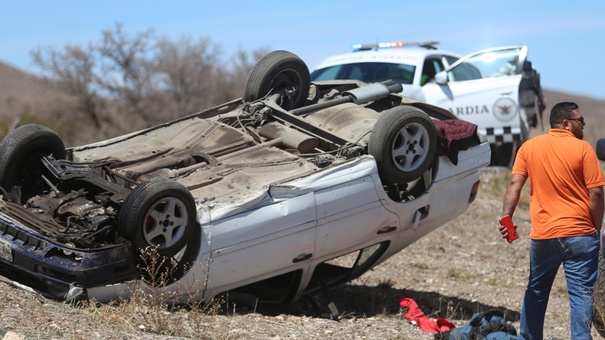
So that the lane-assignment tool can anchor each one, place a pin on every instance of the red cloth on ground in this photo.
(416, 317)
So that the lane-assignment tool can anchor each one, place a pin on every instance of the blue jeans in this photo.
(580, 258)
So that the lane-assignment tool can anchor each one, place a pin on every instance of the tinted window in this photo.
(464, 71)
(499, 63)
(449, 60)
(431, 66)
(367, 72)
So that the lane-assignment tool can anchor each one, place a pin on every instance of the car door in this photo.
(263, 242)
(483, 88)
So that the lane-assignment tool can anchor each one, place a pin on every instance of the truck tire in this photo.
(504, 154)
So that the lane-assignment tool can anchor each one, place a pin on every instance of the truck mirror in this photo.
(441, 78)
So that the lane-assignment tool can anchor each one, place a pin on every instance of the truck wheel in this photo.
(279, 72)
(504, 154)
(404, 144)
(20, 160)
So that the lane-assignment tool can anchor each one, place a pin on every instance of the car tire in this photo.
(598, 297)
(159, 213)
(404, 144)
(279, 72)
(21, 152)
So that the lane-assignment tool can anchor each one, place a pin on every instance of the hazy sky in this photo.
(566, 39)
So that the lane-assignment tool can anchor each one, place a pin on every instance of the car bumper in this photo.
(26, 257)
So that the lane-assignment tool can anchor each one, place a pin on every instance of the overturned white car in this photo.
(264, 195)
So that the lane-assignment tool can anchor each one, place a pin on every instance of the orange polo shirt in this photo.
(560, 168)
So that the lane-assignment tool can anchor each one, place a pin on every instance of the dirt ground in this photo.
(458, 270)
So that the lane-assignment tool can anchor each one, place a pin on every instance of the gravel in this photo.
(461, 269)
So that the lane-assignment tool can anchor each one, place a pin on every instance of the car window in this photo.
(464, 71)
(367, 72)
(449, 60)
(489, 64)
(345, 267)
(431, 66)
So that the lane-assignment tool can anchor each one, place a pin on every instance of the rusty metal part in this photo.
(291, 138)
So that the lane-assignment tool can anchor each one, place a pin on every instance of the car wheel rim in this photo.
(410, 147)
(165, 222)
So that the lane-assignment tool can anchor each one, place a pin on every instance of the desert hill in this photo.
(23, 94)
(593, 110)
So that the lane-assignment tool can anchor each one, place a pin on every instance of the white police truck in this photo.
(482, 87)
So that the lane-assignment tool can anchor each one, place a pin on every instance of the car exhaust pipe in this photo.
(290, 138)
(373, 91)
(358, 96)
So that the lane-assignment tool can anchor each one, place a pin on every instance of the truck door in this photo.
(483, 88)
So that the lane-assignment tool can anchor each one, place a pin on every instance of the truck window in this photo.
(490, 64)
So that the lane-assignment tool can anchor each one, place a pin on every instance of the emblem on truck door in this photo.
(505, 109)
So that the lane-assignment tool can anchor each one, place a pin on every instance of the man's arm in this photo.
(511, 199)
(513, 193)
(597, 206)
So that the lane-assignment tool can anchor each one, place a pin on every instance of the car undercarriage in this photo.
(82, 216)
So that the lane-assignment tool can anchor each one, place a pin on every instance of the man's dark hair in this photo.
(561, 111)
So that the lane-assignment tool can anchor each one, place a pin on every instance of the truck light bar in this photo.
(375, 46)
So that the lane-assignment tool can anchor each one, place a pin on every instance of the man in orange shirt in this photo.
(566, 207)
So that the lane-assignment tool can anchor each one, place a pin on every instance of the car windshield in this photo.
(367, 72)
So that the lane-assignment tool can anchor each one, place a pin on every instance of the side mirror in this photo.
(601, 149)
(441, 78)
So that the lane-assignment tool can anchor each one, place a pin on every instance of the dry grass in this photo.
(460, 269)
(154, 311)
